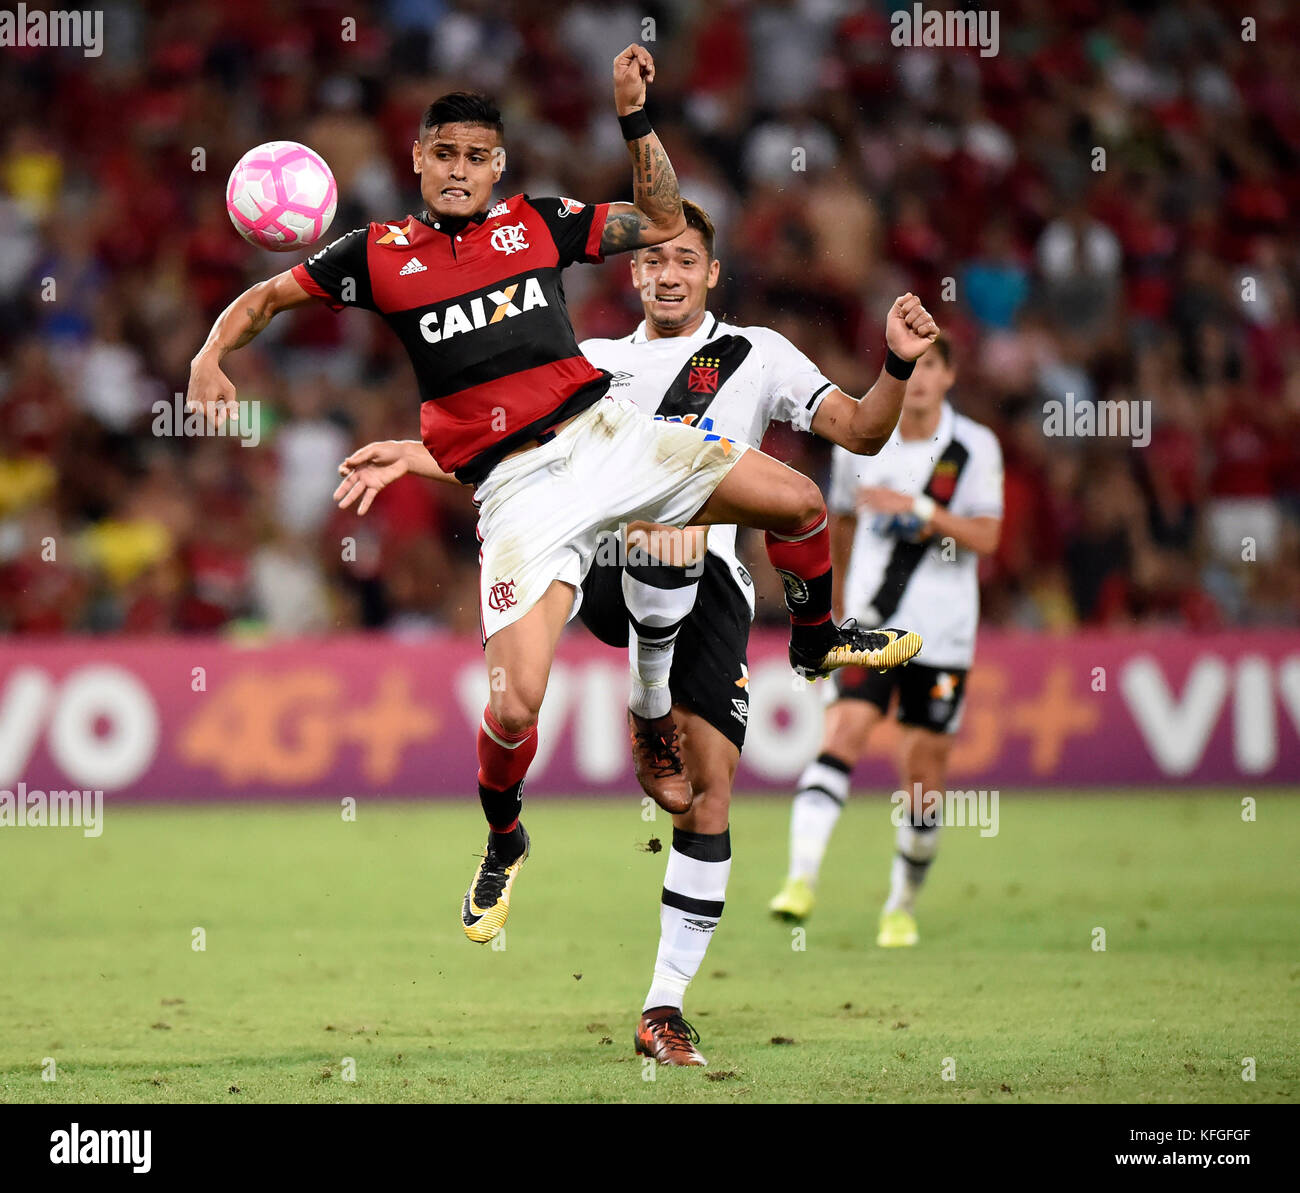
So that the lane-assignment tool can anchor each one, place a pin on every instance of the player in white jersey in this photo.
(690, 609)
(916, 518)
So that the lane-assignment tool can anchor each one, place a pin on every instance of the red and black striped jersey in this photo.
(479, 306)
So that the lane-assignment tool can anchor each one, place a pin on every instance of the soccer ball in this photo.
(281, 196)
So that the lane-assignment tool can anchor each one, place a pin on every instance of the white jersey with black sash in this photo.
(729, 381)
(931, 587)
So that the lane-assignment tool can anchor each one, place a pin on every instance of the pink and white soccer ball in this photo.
(281, 196)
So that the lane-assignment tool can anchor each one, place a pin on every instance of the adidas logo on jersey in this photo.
(414, 265)
(469, 315)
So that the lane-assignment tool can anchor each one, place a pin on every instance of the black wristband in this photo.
(635, 125)
(896, 366)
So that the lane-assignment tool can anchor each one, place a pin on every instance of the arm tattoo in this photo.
(655, 197)
(622, 232)
(257, 323)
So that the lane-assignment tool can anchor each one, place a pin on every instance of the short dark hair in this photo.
(462, 107)
(943, 346)
(698, 218)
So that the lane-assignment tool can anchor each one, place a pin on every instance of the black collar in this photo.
(451, 224)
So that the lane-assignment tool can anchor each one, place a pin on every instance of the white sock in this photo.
(916, 849)
(695, 889)
(659, 597)
(818, 802)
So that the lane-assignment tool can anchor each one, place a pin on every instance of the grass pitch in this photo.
(328, 940)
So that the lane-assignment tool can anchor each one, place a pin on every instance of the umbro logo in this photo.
(620, 378)
(700, 925)
(414, 265)
(740, 710)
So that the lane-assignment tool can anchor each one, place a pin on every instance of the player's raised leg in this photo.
(659, 581)
(764, 493)
(519, 663)
(694, 894)
(923, 767)
(820, 798)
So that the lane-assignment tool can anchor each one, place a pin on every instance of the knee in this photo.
(514, 711)
(927, 760)
(804, 501)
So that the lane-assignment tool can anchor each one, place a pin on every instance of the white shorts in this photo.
(541, 512)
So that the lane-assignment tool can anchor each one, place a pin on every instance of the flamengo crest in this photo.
(510, 239)
(501, 596)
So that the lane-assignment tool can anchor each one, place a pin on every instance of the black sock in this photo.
(507, 846)
(502, 808)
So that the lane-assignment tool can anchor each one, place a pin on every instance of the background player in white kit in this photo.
(916, 518)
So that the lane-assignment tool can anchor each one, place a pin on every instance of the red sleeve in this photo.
(575, 228)
(591, 252)
(313, 287)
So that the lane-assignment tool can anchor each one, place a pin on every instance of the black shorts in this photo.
(928, 697)
(709, 674)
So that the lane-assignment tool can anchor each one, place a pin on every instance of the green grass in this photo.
(328, 939)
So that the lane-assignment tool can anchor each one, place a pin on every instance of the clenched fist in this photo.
(633, 69)
(910, 329)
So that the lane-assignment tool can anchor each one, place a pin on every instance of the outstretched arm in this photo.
(865, 425)
(210, 389)
(371, 469)
(655, 214)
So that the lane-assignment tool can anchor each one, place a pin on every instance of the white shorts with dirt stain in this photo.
(541, 512)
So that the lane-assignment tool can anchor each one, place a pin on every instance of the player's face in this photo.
(674, 280)
(929, 384)
(458, 165)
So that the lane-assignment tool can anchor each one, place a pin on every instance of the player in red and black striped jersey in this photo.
(478, 304)
(507, 403)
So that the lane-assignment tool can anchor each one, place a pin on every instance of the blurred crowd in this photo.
(1098, 209)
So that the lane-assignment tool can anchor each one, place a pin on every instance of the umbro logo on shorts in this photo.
(414, 265)
(740, 710)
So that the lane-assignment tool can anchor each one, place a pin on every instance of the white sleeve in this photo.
(979, 493)
(592, 350)
(793, 386)
(841, 497)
